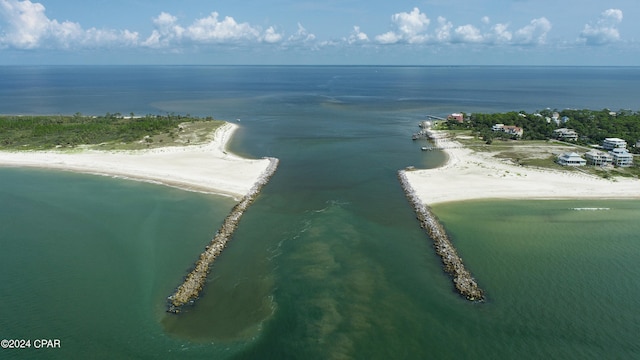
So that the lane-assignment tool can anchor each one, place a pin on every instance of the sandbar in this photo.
(471, 175)
(207, 168)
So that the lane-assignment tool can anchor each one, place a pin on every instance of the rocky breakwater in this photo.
(194, 282)
(464, 283)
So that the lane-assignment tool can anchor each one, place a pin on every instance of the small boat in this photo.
(424, 148)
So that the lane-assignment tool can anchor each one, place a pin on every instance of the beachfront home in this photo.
(613, 143)
(621, 157)
(599, 158)
(571, 159)
(565, 134)
(456, 117)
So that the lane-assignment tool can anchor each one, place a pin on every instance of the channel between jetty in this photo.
(187, 293)
(464, 283)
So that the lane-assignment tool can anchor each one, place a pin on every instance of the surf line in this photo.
(464, 283)
(187, 293)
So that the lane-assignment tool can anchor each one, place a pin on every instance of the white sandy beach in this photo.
(205, 168)
(477, 175)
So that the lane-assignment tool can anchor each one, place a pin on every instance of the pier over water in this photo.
(464, 283)
(193, 284)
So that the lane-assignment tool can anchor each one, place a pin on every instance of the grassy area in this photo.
(539, 154)
(104, 132)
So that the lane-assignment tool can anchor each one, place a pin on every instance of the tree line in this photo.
(45, 132)
(592, 126)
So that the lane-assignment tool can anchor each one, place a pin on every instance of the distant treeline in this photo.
(44, 132)
(592, 126)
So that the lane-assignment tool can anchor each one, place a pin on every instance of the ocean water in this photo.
(329, 262)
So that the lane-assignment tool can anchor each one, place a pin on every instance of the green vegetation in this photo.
(109, 131)
(537, 148)
(592, 126)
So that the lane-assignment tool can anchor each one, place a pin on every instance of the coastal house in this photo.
(565, 134)
(508, 129)
(513, 130)
(456, 117)
(571, 159)
(614, 143)
(598, 158)
(621, 157)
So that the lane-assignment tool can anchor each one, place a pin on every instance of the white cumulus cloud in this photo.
(535, 33)
(443, 31)
(166, 30)
(357, 36)
(25, 25)
(413, 28)
(409, 27)
(603, 31)
(207, 30)
(468, 34)
(301, 36)
(210, 30)
(501, 33)
(271, 36)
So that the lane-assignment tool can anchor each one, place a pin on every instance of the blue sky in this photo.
(353, 32)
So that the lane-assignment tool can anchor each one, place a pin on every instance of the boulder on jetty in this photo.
(188, 291)
(464, 283)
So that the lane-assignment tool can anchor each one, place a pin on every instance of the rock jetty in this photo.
(188, 291)
(464, 283)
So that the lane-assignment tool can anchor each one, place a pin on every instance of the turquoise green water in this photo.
(89, 260)
(561, 283)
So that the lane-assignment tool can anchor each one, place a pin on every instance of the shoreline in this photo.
(206, 168)
(471, 175)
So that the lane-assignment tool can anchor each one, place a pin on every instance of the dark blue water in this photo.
(329, 262)
(143, 89)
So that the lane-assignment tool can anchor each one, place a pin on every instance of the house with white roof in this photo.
(598, 158)
(571, 159)
(613, 143)
(621, 157)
